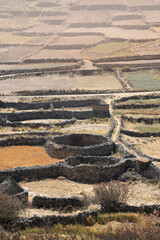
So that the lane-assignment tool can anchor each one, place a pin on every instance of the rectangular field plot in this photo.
(107, 49)
(15, 53)
(59, 54)
(34, 66)
(139, 112)
(57, 82)
(88, 126)
(144, 80)
(141, 101)
(140, 127)
(87, 40)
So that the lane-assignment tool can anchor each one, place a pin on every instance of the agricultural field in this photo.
(143, 122)
(144, 80)
(39, 66)
(16, 156)
(145, 145)
(108, 49)
(141, 127)
(141, 101)
(106, 81)
(99, 127)
(66, 68)
(41, 24)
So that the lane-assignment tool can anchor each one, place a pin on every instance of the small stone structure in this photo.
(11, 187)
(79, 144)
(101, 110)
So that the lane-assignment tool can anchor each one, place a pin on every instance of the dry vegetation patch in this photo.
(145, 145)
(60, 187)
(141, 127)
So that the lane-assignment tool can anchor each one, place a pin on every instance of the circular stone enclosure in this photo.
(91, 160)
(79, 144)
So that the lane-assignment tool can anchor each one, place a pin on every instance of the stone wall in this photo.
(46, 105)
(31, 115)
(80, 218)
(141, 119)
(24, 140)
(136, 97)
(98, 110)
(136, 106)
(128, 58)
(92, 160)
(140, 134)
(79, 144)
(81, 173)
(56, 202)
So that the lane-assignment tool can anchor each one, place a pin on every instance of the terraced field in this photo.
(107, 81)
(24, 131)
(37, 25)
(141, 124)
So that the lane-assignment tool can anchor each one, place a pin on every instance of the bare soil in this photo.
(51, 82)
(139, 192)
(21, 156)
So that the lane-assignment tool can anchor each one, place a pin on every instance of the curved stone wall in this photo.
(80, 173)
(79, 144)
(91, 160)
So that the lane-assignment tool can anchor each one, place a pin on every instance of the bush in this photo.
(9, 207)
(111, 194)
(144, 231)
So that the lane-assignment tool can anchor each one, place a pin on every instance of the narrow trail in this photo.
(122, 79)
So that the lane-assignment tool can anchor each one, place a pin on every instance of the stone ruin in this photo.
(79, 144)
(11, 187)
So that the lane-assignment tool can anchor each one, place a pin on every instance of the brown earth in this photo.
(61, 187)
(21, 156)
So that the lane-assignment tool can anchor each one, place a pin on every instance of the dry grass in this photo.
(141, 127)
(21, 156)
(59, 187)
(145, 145)
(87, 128)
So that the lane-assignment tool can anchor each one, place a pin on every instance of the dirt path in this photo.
(120, 76)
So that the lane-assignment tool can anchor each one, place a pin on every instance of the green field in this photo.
(144, 80)
(149, 128)
(142, 101)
